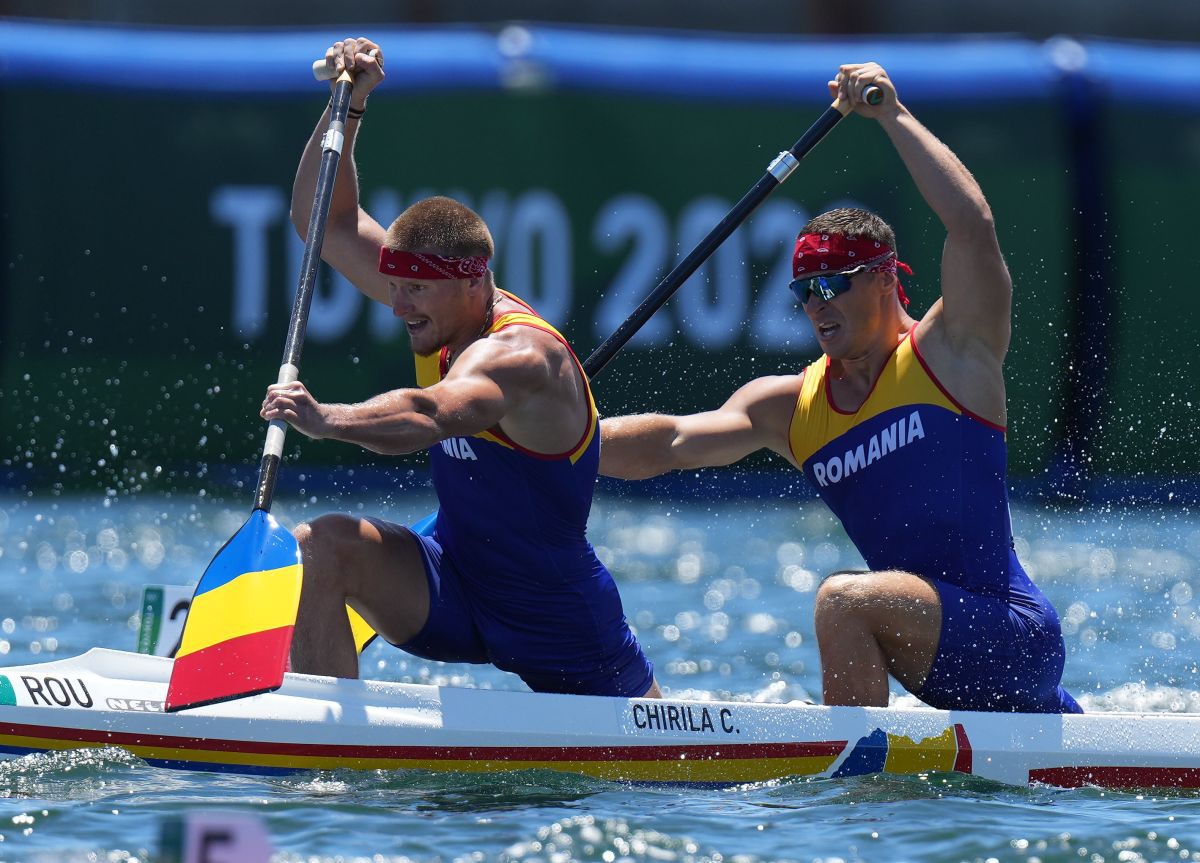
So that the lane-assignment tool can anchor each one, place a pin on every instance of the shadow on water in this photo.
(887, 788)
(433, 792)
(803, 792)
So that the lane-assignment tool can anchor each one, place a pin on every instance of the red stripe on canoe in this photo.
(814, 749)
(1118, 777)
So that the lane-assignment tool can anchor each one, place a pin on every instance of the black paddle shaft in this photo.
(289, 370)
(777, 172)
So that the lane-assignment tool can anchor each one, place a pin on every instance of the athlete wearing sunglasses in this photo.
(899, 427)
(824, 287)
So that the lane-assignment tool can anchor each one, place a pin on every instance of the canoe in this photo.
(114, 698)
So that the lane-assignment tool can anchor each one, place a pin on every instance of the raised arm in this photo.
(976, 303)
(352, 237)
(755, 417)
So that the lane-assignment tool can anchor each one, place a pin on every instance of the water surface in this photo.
(721, 595)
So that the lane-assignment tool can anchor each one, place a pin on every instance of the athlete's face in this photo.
(435, 313)
(845, 324)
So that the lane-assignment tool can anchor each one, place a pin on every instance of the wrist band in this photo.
(351, 113)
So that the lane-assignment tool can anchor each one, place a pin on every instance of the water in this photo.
(722, 597)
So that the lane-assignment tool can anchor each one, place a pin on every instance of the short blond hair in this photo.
(441, 226)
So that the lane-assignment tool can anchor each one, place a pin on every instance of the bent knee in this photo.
(874, 595)
(331, 528)
(844, 592)
(841, 600)
(891, 604)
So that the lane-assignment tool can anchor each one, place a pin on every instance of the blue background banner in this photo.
(149, 262)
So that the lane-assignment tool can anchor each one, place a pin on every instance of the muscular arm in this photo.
(492, 379)
(755, 417)
(408, 420)
(975, 308)
(976, 287)
(352, 237)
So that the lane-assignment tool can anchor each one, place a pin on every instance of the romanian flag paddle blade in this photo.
(239, 628)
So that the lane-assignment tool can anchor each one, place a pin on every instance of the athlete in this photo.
(504, 408)
(900, 427)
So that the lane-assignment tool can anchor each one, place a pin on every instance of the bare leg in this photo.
(870, 624)
(372, 565)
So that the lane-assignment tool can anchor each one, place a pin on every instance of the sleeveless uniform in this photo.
(512, 577)
(919, 484)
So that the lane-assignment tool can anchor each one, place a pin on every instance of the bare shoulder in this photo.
(970, 370)
(768, 402)
(522, 362)
(535, 378)
(767, 391)
(529, 346)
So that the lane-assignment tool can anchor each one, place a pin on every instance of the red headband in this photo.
(427, 267)
(836, 253)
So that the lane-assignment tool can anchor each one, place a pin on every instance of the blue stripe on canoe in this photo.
(211, 767)
(174, 764)
(20, 750)
(260, 544)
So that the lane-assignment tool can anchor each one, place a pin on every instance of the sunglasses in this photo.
(825, 287)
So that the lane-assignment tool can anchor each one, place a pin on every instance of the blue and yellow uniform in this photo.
(513, 579)
(919, 484)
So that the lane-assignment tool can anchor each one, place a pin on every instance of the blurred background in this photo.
(149, 263)
(147, 266)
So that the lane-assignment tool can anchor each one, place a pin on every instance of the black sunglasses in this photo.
(825, 287)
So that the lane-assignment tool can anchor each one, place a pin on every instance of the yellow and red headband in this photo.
(427, 267)
(827, 254)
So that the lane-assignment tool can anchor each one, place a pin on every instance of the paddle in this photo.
(778, 171)
(209, 670)
(239, 629)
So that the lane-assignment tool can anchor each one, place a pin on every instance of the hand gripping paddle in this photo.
(239, 629)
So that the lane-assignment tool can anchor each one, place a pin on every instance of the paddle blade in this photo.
(361, 630)
(239, 628)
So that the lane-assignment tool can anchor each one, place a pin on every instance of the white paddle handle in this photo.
(872, 95)
(277, 429)
(323, 72)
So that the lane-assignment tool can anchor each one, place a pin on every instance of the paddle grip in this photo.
(322, 71)
(872, 95)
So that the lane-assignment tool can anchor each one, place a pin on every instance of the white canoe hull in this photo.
(113, 698)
